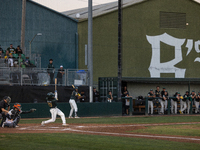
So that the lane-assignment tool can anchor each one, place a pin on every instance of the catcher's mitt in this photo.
(33, 109)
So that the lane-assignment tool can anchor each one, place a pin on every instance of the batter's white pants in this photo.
(150, 104)
(188, 106)
(73, 107)
(184, 106)
(196, 106)
(54, 113)
(162, 103)
(173, 106)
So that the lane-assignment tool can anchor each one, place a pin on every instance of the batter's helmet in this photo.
(50, 95)
(8, 99)
(18, 106)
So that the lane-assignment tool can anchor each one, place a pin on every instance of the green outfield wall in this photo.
(84, 109)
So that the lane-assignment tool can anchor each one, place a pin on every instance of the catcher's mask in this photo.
(18, 106)
(8, 99)
(50, 95)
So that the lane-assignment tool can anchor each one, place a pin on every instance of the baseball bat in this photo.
(56, 93)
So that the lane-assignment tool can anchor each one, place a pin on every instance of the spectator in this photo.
(1, 54)
(83, 96)
(11, 49)
(127, 103)
(196, 103)
(109, 97)
(151, 96)
(123, 94)
(50, 71)
(28, 63)
(1, 49)
(95, 95)
(18, 50)
(60, 74)
(185, 98)
(7, 55)
(10, 61)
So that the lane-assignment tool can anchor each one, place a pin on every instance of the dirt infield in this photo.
(122, 130)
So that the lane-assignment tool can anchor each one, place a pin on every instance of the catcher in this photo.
(13, 116)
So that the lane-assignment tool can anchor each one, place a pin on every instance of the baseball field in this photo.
(119, 133)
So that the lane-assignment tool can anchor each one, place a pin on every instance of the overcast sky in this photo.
(65, 5)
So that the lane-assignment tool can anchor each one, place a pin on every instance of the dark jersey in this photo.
(198, 98)
(192, 96)
(59, 75)
(3, 104)
(150, 94)
(74, 95)
(157, 93)
(165, 95)
(186, 97)
(50, 68)
(52, 103)
(15, 113)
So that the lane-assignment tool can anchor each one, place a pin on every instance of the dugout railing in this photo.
(168, 104)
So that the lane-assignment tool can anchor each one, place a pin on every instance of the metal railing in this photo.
(42, 77)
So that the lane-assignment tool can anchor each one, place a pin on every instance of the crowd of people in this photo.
(14, 57)
(162, 98)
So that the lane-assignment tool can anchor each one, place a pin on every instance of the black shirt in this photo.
(59, 75)
(3, 104)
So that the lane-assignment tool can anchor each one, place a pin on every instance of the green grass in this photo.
(72, 141)
(125, 120)
(65, 141)
(182, 130)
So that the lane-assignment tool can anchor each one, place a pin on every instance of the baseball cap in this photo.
(61, 65)
(151, 90)
(50, 59)
(178, 92)
(193, 91)
(164, 88)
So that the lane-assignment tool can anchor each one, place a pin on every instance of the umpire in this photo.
(3, 105)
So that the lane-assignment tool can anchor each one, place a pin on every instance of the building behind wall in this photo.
(161, 40)
(59, 32)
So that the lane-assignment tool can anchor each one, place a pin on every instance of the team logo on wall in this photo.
(156, 67)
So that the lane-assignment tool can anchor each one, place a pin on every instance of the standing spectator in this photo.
(185, 98)
(127, 103)
(18, 50)
(60, 74)
(11, 49)
(1, 54)
(151, 96)
(196, 103)
(95, 95)
(83, 96)
(123, 94)
(124, 91)
(50, 71)
(5, 103)
(109, 97)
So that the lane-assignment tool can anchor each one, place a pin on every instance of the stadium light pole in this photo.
(23, 22)
(90, 50)
(39, 34)
(119, 49)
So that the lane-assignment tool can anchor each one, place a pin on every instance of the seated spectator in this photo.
(18, 50)
(83, 96)
(1, 54)
(109, 97)
(11, 61)
(95, 95)
(7, 55)
(11, 49)
(27, 63)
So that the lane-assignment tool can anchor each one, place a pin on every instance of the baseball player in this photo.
(5, 103)
(151, 96)
(196, 103)
(52, 102)
(162, 102)
(193, 96)
(184, 100)
(174, 103)
(74, 96)
(13, 116)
